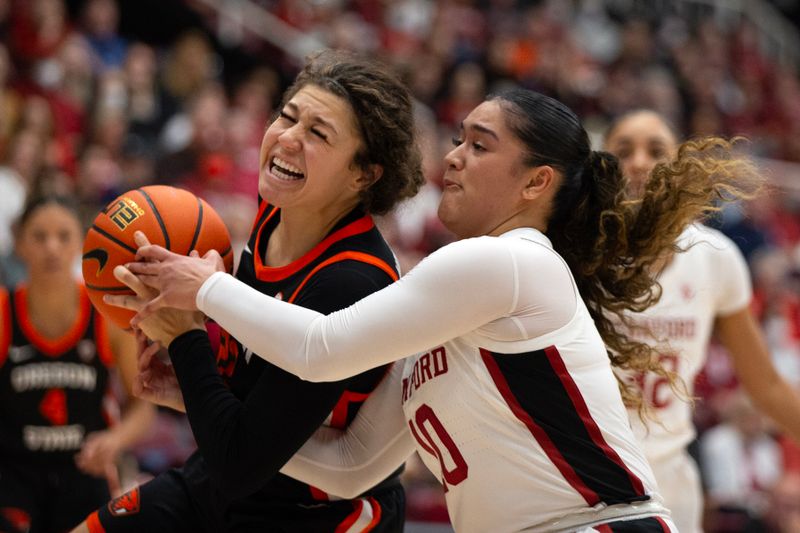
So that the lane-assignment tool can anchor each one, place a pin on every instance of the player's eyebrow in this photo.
(482, 129)
(315, 119)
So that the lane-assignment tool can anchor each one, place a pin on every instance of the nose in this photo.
(290, 137)
(52, 244)
(453, 159)
(641, 163)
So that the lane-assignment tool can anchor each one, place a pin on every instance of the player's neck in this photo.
(52, 307)
(297, 234)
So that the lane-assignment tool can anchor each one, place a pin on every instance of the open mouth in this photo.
(284, 170)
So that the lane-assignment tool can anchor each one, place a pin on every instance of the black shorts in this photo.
(640, 525)
(167, 503)
(37, 497)
(382, 511)
(171, 503)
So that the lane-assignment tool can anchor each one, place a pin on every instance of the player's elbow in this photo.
(321, 371)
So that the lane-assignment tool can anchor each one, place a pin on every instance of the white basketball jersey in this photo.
(709, 279)
(524, 433)
(511, 398)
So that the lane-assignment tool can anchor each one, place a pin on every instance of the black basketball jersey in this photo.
(52, 391)
(354, 244)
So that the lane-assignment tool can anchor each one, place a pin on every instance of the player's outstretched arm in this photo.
(450, 293)
(348, 462)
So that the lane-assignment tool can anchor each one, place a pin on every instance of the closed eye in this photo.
(287, 116)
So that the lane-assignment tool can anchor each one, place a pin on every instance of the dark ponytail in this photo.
(614, 244)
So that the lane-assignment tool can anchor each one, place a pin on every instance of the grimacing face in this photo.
(640, 141)
(307, 153)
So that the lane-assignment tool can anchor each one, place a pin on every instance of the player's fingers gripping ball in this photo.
(170, 217)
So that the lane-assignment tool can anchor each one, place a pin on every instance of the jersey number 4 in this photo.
(454, 467)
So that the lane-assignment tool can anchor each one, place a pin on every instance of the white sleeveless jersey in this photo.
(709, 279)
(511, 398)
(524, 433)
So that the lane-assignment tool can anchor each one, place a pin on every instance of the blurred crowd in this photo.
(89, 110)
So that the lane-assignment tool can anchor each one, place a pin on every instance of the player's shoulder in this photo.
(711, 240)
(340, 284)
(521, 248)
(519, 239)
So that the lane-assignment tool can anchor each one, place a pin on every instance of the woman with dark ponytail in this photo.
(511, 398)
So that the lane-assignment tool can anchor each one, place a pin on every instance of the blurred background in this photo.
(101, 96)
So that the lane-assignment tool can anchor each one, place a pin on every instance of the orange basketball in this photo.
(173, 218)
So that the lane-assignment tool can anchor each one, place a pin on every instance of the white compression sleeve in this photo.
(451, 292)
(348, 462)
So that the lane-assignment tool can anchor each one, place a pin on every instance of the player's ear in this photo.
(539, 180)
(369, 175)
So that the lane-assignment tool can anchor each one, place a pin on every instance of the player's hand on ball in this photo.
(177, 278)
(162, 325)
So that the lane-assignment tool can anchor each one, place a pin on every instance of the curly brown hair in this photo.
(635, 236)
(611, 242)
(383, 109)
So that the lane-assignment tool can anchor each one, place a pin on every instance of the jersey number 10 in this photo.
(424, 418)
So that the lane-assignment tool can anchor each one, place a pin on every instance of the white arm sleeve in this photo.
(377, 441)
(451, 292)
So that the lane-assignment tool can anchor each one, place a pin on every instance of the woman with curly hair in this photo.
(341, 150)
(705, 290)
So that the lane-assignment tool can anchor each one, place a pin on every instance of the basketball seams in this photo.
(156, 209)
(197, 226)
(160, 221)
(113, 239)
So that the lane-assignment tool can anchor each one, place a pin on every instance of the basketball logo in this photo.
(125, 211)
(170, 217)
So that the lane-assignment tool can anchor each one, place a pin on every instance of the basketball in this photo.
(170, 217)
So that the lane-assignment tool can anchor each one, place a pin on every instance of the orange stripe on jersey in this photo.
(376, 514)
(5, 325)
(266, 273)
(344, 526)
(364, 518)
(102, 341)
(339, 413)
(345, 256)
(53, 347)
(93, 523)
(261, 208)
